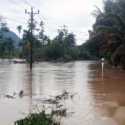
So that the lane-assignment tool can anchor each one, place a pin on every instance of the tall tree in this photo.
(111, 23)
(19, 28)
(70, 40)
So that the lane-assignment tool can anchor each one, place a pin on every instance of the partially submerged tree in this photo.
(111, 23)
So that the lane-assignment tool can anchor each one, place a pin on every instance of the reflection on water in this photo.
(99, 89)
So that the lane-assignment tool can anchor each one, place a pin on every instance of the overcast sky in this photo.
(76, 14)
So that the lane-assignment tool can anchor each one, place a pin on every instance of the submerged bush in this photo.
(37, 119)
(58, 111)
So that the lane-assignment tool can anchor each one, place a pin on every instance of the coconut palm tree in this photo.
(19, 28)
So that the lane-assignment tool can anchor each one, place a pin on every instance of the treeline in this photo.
(108, 36)
(7, 45)
(61, 48)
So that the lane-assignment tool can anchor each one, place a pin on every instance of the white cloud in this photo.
(76, 14)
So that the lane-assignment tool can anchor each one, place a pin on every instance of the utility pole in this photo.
(31, 29)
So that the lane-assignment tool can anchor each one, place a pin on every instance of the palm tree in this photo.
(19, 28)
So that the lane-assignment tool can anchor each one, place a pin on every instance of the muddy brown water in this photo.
(99, 99)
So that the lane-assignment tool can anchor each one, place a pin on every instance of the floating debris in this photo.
(21, 93)
(9, 96)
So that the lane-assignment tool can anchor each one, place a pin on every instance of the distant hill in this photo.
(8, 34)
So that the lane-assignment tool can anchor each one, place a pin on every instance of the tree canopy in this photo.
(109, 32)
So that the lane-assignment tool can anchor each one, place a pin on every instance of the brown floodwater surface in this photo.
(99, 91)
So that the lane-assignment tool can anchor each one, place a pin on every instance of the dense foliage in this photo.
(108, 36)
(8, 47)
(61, 48)
(37, 119)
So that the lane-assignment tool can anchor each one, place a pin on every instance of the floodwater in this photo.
(99, 91)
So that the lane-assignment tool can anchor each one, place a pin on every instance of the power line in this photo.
(16, 2)
(27, 2)
(14, 20)
(13, 2)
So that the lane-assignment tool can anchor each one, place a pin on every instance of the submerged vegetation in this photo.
(54, 117)
(37, 119)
